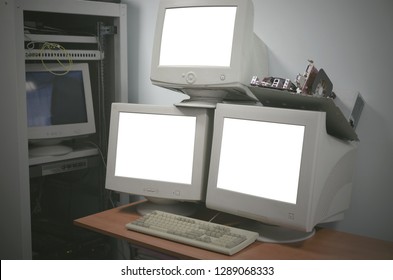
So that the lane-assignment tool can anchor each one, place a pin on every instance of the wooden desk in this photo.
(325, 244)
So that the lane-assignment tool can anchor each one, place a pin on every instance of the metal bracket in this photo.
(107, 30)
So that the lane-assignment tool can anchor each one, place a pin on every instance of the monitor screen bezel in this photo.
(195, 191)
(65, 131)
(295, 216)
(205, 76)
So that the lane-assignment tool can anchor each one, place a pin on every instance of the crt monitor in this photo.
(161, 153)
(279, 167)
(207, 49)
(59, 106)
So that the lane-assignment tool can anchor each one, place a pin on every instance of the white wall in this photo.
(141, 25)
(352, 41)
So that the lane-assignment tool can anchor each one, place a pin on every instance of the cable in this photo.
(99, 150)
(53, 47)
(101, 89)
(103, 141)
(215, 216)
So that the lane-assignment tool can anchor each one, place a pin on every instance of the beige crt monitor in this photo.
(279, 167)
(207, 49)
(160, 152)
(59, 106)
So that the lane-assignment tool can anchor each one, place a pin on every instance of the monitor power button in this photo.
(190, 77)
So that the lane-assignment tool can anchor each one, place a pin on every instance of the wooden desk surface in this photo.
(325, 244)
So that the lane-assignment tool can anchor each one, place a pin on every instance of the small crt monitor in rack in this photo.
(59, 107)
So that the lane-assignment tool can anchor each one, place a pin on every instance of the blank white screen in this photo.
(261, 159)
(155, 147)
(197, 36)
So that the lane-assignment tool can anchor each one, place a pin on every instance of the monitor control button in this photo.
(190, 77)
(149, 190)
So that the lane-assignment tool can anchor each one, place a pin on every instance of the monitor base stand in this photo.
(203, 97)
(49, 150)
(209, 97)
(209, 103)
(276, 234)
(174, 207)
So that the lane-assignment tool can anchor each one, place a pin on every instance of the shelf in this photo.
(76, 160)
(336, 123)
(76, 153)
(60, 38)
